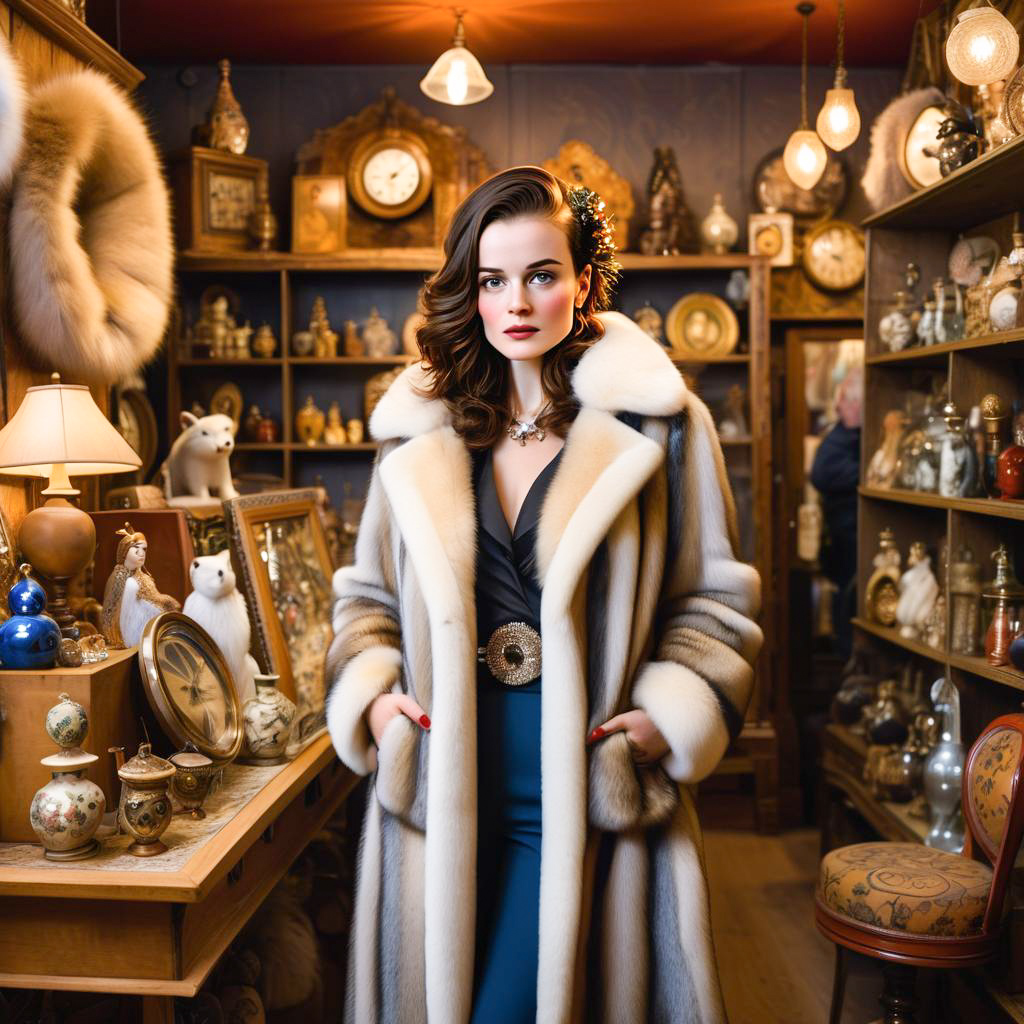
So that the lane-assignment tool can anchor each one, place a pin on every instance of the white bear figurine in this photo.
(198, 460)
(220, 609)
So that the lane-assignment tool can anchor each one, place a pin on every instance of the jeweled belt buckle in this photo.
(512, 654)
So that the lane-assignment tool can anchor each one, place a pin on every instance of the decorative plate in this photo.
(773, 190)
(189, 687)
(701, 326)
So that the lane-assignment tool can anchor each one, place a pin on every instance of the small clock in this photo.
(771, 235)
(833, 256)
(389, 176)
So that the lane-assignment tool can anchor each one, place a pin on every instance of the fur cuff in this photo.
(687, 712)
(369, 674)
(12, 111)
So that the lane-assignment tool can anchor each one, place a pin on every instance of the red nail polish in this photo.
(595, 735)
(424, 721)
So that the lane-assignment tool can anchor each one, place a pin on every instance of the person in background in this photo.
(835, 474)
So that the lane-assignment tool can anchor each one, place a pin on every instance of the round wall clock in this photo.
(834, 256)
(389, 176)
(768, 240)
(773, 190)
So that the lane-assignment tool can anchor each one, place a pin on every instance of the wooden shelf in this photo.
(350, 360)
(341, 449)
(746, 439)
(738, 358)
(981, 191)
(978, 506)
(892, 636)
(936, 353)
(260, 446)
(399, 260)
(222, 361)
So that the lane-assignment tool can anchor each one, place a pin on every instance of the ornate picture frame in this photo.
(319, 213)
(284, 569)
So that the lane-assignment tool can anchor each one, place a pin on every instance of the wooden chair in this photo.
(911, 906)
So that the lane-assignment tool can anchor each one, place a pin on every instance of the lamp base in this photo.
(58, 540)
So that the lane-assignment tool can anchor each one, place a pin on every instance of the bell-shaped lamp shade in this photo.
(839, 119)
(804, 158)
(58, 431)
(456, 77)
(982, 48)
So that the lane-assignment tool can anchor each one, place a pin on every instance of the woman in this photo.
(545, 591)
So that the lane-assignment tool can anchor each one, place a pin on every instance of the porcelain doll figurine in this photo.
(918, 592)
(882, 467)
(130, 598)
(543, 446)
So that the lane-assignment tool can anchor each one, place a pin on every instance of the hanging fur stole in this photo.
(12, 111)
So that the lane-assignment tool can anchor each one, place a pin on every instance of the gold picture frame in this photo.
(283, 564)
(701, 327)
(319, 213)
(189, 687)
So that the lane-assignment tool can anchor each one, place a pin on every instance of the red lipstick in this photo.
(521, 331)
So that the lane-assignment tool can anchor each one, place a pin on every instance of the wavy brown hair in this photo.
(467, 373)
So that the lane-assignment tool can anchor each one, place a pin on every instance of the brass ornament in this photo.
(513, 654)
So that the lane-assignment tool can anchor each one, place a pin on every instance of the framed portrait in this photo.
(284, 569)
(318, 213)
(215, 193)
(702, 326)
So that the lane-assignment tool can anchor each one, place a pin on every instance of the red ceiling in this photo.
(504, 31)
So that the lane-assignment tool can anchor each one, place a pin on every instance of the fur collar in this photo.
(624, 371)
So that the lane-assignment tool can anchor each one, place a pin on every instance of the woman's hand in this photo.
(645, 741)
(387, 706)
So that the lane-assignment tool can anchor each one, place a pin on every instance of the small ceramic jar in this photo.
(267, 719)
(29, 638)
(145, 808)
(264, 344)
(67, 724)
(66, 812)
(193, 776)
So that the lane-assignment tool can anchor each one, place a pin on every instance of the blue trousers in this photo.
(508, 853)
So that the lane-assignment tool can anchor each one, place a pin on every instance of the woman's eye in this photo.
(488, 282)
(543, 277)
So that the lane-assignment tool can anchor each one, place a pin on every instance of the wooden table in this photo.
(128, 925)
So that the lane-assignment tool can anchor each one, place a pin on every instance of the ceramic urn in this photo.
(145, 808)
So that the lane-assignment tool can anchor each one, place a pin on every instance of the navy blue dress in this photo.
(508, 738)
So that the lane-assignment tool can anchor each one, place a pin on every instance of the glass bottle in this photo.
(994, 421)
(1010, 465)
(1003, 597)
(965, 602)
(957, 460)
(944, 771)
(898, 323)
(926, 325)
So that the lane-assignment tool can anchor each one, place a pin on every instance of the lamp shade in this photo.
(456, 77)
(983, 47)
(61, 424)
(804, 158)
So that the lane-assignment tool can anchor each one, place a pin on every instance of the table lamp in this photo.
(59, 430)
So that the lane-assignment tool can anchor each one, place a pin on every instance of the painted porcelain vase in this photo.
(145, 808)
(267, 719)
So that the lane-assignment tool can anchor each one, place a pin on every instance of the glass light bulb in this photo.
(457, 82)
(983, 47)
(804, 158)
(838, 120)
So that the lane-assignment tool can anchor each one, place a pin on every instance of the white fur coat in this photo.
(644, 604)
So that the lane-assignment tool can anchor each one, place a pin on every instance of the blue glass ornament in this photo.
(30, 637)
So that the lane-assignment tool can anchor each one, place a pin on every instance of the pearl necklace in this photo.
(524, 430)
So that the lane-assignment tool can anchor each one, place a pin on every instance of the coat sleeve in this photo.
(698, 683)
(365, 657)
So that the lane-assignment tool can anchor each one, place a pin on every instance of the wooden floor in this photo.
(774, 965)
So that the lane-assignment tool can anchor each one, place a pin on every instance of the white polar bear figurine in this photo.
(220, 609)
(199, 460)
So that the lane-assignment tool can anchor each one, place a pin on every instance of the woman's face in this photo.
(135, 557)
(527, 281)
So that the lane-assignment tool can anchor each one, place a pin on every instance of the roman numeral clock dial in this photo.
(834, 256)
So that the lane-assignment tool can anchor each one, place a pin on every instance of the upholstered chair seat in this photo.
(905, 887)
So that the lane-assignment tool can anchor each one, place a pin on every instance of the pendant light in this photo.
(982, 48)
(839, 120)
(456, 77)
(804, 157)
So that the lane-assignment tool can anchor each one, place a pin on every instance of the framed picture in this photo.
(318, 213)
(215, 192)
(284, 569)
(771, 235)
(702, 326)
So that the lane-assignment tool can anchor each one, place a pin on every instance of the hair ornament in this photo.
(595, 230)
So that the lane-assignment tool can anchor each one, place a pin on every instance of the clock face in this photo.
(391, 176)
(834, 256)
(768, 241)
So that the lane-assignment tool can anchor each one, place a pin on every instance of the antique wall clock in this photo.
(833, 255)
(389, 176)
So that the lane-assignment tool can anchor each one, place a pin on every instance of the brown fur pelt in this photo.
(12, 111)
(883, 181)
(91, 249)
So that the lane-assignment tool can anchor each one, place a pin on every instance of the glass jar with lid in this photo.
(1003, 598)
